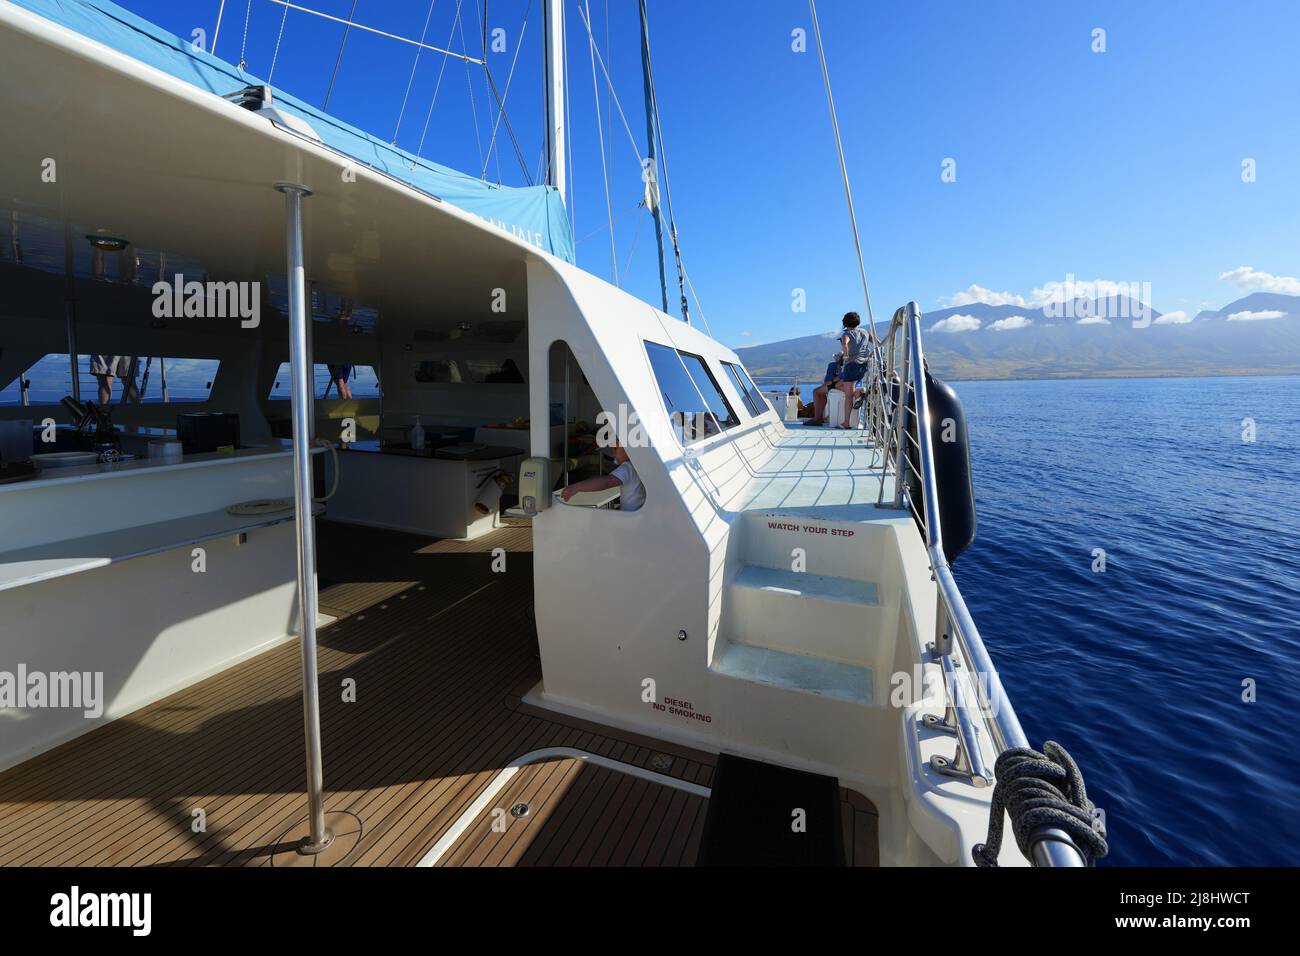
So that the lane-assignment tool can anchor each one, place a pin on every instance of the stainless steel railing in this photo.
(976, 702)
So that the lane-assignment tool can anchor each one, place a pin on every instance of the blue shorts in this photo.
(853, 372)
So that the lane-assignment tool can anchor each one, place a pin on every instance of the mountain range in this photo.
(1255, 335)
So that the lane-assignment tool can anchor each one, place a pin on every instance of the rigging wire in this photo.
(217, 31)
(243, 47)
(479, 11)
(276, 55)
(410, 79)
(617, 219)
(663, 158)
(586, 22)
(473, 104)
(568, 146)
(437, 86)
(650, 171)
(600, 129)
(339, 59)
(636, 234)
(844, 170)
(382, 33)
(501, 97)
(698, 308)
(609, 54)
(501, 100)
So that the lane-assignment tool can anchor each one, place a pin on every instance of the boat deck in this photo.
(441, 649)
(830, 473)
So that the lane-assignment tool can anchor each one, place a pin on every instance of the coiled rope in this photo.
(1038, 791)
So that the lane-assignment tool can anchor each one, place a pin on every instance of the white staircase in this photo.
(804, 611)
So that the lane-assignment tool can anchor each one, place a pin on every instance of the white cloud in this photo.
(1248, 278)
(977, 294)
(1255, 316)
(745, 335)
(1173, 318)
(956, 323)
(1011, 322)
(1058, 292)
(1093, 320)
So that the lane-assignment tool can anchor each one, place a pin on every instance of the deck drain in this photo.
(519, 811)
(661, 762)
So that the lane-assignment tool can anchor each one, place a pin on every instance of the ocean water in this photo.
(1139, 671)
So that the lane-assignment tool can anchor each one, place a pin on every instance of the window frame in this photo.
(733, 421)
(286, 368)
(735, 372)
(89, 383)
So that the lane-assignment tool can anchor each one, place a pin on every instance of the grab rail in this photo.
(897, 383)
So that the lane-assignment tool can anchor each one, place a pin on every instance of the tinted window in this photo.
(755, 408)
(692, 397)
(186, 379)
(752, 391)
(362, 380)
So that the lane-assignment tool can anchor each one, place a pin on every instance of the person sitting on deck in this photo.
(632, 495)
(829, 381)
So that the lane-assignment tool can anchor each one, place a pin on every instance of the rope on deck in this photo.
(1041, 791)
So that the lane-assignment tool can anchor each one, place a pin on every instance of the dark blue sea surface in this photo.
(1139, 671)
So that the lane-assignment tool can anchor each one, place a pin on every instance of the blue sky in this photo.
(1123, 165)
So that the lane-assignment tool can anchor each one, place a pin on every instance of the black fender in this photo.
(950, 440)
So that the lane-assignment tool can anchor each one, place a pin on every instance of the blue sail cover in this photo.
(533, 213)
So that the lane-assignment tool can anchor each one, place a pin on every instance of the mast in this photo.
(556, 162)
(650, 171)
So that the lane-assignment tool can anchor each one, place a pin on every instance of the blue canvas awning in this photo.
(533, 213)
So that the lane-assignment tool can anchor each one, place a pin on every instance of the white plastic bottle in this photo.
(417, 435)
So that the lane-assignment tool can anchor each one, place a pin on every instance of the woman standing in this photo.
(856, 346)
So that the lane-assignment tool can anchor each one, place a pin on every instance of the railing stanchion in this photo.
(954, 627)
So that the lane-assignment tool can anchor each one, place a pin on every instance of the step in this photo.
(835, 542)
(814, 615)
(821, 587)
(809, 675)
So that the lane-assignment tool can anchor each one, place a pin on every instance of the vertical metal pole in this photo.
(310, 361)
(900, 428)
(72, 346)
(71, 309)
(301, 405)
(553, 48)
(566, 421)
(652, 167)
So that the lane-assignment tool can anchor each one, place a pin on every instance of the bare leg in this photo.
(819, 404)
(847, 389)
(105, 388)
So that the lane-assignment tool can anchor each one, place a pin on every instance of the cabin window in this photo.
(468, 371)
(691, 395)
(494, 371)
(754, 403)
(157, 380)
(582, 434)
(363, 381)
(753, 394)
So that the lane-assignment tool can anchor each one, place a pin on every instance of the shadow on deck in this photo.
(440, 647)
